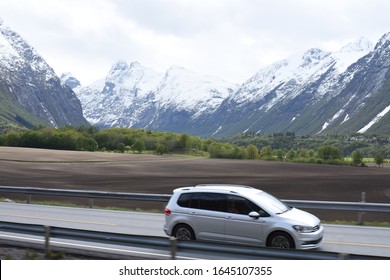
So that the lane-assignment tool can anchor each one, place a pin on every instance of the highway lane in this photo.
(342, 239)
(84, 218)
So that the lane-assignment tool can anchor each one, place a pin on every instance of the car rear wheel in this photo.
(184, 232)
(281, 240)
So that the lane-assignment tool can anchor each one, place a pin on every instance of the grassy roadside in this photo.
(66, 204)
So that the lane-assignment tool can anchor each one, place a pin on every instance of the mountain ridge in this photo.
(312, 92)
(293, 94)
(34, 91)
(141, 96)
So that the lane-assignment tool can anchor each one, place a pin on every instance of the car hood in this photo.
(300, 217)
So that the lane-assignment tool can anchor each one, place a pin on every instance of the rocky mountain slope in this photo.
(314, 92)
(30, 92)
(305, 94)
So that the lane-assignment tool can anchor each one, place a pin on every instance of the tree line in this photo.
(304, 147)
(90, 138)
(282, 147)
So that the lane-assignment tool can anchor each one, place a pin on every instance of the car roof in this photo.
(220, 188)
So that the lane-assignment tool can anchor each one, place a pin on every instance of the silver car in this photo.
(239, 214)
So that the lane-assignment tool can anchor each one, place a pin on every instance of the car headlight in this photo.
(304, 229)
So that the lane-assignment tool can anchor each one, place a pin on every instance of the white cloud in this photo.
(228, 38)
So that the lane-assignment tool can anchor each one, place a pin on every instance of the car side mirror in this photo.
(254, 215)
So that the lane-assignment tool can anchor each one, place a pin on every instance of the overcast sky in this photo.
(232, 39)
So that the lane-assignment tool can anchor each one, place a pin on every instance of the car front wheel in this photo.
(281, 240)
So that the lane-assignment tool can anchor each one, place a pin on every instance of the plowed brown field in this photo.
(161, 174)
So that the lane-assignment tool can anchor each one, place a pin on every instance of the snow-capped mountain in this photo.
(30, 92)
(294, 94)
(122, 98)
(133, 95)
(190, 91)
(363, 104)
(308, 93)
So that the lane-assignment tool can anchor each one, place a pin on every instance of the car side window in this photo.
(209, 201)
(204, 201)
(243, 206)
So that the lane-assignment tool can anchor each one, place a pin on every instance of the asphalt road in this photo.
(342, 239)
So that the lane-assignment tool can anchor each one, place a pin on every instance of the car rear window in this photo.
(184, 200)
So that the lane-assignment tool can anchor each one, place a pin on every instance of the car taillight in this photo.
(167, 211)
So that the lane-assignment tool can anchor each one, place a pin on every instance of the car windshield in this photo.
(271, 203)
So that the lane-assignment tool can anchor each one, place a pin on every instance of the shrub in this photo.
(357, 157)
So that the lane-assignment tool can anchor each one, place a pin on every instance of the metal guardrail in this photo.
(308, 204)
(173, 246)
(340, 206)
(91, 195)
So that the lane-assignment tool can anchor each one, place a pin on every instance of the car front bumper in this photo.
(310, 240)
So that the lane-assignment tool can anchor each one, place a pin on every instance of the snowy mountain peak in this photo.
(130, 76)
(123, 66)
(120, 65)
(361, 44)
(285, 79)
(314, 55)
(130, 92)
(351, 53)
(191, 91)
(15, 52)
(69, 80)
(35, 86)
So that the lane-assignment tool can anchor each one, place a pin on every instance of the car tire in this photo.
(281, 240)
(183, 232)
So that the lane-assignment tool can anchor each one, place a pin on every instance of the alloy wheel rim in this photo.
(183, 234)
(280, 242)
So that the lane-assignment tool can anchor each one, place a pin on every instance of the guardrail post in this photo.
(47, 241)
(173, 247)
(361, 214)
(90, 202)
(29, 198)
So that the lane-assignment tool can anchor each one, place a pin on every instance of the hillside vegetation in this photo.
(331, 149)
(13, 116)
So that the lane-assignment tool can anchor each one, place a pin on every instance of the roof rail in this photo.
(222, 185)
